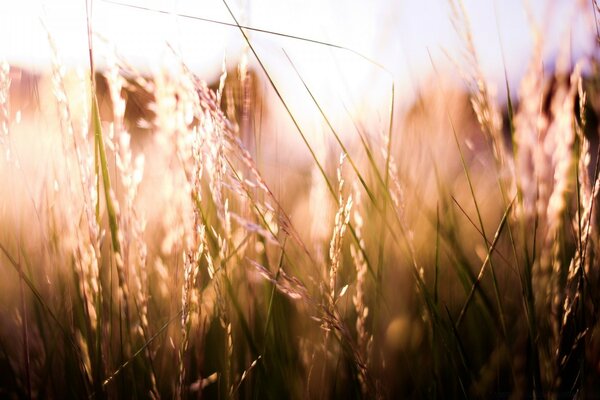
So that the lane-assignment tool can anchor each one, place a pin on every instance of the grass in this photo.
(171, 254)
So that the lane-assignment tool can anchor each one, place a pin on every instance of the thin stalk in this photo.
(252, 29)
(272, 296)
(481, 225)
(487, 261)
(139, 351)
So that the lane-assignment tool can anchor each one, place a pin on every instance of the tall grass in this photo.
(152, 246)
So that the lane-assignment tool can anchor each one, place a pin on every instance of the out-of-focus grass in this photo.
(154, 246)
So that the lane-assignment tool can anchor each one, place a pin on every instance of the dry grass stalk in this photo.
(190, 299)
(359, 298)
(86, 248)
(342, 218)
(482, 99)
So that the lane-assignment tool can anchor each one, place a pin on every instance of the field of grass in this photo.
(155, 243)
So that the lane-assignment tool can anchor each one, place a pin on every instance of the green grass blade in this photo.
(487, 260)
(110, 207)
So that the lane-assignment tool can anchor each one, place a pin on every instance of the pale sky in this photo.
(398, 34)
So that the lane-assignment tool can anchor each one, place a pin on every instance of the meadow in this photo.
(159, 238)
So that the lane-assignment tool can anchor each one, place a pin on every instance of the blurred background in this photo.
(413, 44)
(403, 36)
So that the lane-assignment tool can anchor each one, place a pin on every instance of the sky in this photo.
(407, 37)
